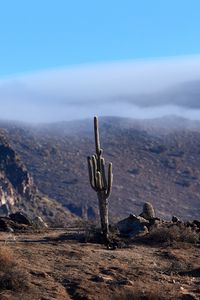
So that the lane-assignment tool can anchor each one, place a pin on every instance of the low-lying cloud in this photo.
(142, 89)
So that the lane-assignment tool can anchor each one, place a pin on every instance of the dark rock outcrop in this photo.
(20, 218)
(15, 181)
(18, 191)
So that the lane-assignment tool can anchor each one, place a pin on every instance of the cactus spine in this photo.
(98, 180)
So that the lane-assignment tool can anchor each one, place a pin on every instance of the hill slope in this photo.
(151, 162)
(18, 190)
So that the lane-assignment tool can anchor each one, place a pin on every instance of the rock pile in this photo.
(137, 226)
(134, 226)
(19, 221)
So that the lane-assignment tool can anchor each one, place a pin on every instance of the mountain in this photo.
(153, 160)
(19, 192)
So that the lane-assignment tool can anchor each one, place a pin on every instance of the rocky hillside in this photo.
(18, 191)
(156, 161)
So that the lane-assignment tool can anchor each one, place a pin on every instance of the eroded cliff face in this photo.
(15, 181)
(18, 192)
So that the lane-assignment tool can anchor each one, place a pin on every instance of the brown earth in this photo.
(61, 268)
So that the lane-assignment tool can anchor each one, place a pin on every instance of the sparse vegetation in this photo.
(141, 292)
(153, 264)
(172, 234)
(12, 277)
(62, 173)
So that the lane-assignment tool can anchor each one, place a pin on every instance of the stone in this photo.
(197, 223)
(4, 209)
(155, 221)
(20, 218)
(175, 219)
(38, 222)
(3, 225)
(132, 226)
(148, 211)
(188, 297)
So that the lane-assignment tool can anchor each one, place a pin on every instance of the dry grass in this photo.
(172, 234)
(12, 277)
(7, 260)
(141, 292)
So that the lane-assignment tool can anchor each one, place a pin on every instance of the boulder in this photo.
(197, 223)
(154, 222)
(20, 218)
(4, 209)
(132, 226)
(3, 225)
(6, 224)
(175, 219)
(148, 212)
(39, 223)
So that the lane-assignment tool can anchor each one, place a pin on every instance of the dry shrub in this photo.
(92, 234)
(172, 234)
(12, 277)
(139, 292)
(7, 260)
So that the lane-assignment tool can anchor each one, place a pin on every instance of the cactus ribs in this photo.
(98, 181)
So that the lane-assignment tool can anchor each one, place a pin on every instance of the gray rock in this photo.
(148, 211)
(38, 222)
(133, 226)
(4, 209)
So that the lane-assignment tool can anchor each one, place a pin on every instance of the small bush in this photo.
(7, 261)
(171, 234)
(12, 277)
(92, 234)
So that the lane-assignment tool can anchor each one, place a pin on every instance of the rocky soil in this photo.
(59, 267)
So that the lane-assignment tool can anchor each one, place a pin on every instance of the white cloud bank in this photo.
(141, 89)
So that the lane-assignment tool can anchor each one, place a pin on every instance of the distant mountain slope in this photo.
(18, 191)
(153, 160)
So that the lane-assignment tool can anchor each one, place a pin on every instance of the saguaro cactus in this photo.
(98, 180)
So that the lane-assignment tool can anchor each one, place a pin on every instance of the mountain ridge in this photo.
(151, 163)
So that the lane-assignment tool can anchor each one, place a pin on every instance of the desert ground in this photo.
(58, 264)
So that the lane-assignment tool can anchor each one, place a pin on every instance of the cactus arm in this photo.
(104, 181)
(94, 166)
(99, 181)
(91, 175)
(110, 180)
(96, 134)
(90, 170)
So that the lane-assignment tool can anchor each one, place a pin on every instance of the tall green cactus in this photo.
(98, 180)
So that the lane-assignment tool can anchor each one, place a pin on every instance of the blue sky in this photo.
(46, 34)
(72, 59)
